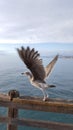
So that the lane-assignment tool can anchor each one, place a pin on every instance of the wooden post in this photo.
(12, 112)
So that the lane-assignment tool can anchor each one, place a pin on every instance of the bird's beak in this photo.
(23, 73)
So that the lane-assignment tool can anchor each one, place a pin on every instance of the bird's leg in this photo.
(46, 93)
(45, 96)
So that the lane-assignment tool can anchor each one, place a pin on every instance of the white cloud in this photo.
(36, 21)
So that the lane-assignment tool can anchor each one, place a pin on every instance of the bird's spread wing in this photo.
(50, 66)
(31, 58)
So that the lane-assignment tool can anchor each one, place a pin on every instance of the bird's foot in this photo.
(45, 98)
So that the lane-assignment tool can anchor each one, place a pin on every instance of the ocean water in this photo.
(11, 68)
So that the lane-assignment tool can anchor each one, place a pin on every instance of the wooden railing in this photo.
(14, 102)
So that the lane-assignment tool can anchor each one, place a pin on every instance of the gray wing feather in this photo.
(33, 62)
(50, 66)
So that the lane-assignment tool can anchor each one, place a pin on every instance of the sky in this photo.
(36, 21)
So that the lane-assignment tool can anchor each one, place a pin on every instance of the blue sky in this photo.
(36, 21)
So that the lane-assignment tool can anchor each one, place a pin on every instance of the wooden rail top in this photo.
(27, 102)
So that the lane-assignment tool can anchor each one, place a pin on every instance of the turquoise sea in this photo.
(11, 68)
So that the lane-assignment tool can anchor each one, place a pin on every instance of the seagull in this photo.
(38, 73)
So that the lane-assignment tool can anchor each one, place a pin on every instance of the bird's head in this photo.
(27, 74)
